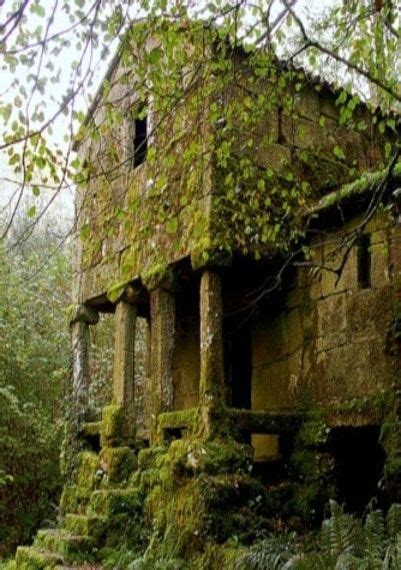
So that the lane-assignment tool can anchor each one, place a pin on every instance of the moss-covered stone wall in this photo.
(330, 343)
(231, 170)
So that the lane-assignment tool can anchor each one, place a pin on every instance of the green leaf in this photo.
(338, 152)
(32, 212)
(38, 9)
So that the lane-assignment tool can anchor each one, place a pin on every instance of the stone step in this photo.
(79, 567)
(74, 498)
(34, 558)
(86, 525)
(108, 502)
(72, 548)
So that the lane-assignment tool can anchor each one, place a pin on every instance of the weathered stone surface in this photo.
(379, 265)
(270, 341)
(107, 502)
(124, 357)
(73, 548)
(181, 419)
(162, 310)
(118, 463)
(211, 344)
(331, 322)
(84, 314)
(271, 387)
(30, 558)
(112, 427)
(80, 368)
(266, 447)
(334, 255)
(307, 104)
(186, 364)
(93, 526)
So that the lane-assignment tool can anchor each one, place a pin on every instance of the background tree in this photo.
(34, 365)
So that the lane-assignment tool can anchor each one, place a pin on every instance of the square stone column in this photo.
(82, 317)
(124, 366)
(162, 337)
(211, 386)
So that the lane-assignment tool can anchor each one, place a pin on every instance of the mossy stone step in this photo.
(108, 502)
(34, 558)
(79, 567)
(74, 499)
(93, 526)
(72, 548)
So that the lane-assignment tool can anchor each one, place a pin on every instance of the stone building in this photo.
(290, 350)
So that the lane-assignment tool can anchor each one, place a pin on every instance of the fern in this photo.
(341, 533)
(394, 521)
(376, 539)
(397, 551)
(310, 561)
(344, 543)
(272, 553)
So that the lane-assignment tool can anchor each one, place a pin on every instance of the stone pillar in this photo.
(211, 386)
(82, 317)
(162, 314)
(124, 366)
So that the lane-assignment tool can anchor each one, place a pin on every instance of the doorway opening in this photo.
(238, 364)
(358, 465)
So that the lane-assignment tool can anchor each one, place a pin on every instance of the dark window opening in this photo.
(281, 137)
(140, 140)
(93, 442)
(273, 472)
(238, 366)
(170, 434)
(364, 262)
(358, 466)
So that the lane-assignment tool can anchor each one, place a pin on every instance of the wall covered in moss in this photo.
(328, 338)
(231, 166)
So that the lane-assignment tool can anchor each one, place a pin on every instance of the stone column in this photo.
(124, 366)
(162, 314)
(82, 317)
(211, 386)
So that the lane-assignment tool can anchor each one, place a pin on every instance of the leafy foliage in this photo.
(161, 554)
(344, 543)
(34, 364)
(30, 481)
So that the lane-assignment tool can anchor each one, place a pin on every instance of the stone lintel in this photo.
(84, 314)
(211, 258)
(266, 422)
(178, 419)
(132, 293)
(159, 277)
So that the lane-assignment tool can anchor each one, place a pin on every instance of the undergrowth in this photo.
(344, 543)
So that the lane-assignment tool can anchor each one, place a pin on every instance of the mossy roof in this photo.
(360, 187)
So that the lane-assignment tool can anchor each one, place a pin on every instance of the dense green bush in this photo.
(34, 367)
(29, 473)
